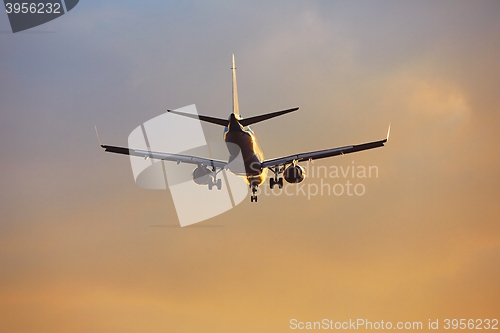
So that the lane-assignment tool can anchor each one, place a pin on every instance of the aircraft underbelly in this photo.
(244, 154)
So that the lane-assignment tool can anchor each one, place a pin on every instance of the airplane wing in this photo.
(314, 155)
(165, 156)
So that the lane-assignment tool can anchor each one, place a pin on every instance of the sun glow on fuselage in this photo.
(242, 140)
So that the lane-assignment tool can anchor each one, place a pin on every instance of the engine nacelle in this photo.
(294, 174)
(202, 176)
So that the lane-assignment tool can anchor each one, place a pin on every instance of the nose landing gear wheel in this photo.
(253, 198)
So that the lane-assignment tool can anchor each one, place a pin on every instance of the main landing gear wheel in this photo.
(217, 183)
(275, 181)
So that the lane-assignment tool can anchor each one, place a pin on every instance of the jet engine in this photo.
(202, 176)
(294, 174)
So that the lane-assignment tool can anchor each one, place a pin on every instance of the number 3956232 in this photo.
(33, 8)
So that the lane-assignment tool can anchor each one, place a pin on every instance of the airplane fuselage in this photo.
(245, 154)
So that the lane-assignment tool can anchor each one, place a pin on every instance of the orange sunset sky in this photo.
(83, 249)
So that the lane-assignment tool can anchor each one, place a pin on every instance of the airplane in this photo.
(241, 143)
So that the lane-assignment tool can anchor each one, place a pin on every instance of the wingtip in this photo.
(97, 134)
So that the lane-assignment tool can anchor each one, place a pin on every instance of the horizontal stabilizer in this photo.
(256, 119)
(217, 121)
(244, 122)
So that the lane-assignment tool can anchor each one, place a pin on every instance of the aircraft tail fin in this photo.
(236, 111)
(236, 108)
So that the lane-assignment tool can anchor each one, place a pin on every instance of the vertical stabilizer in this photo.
(236, 109)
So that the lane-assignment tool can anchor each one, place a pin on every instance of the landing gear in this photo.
(253, 198)
(214, 182)
(275, 181)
